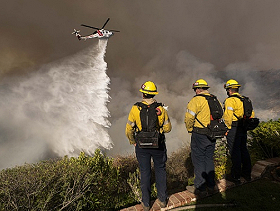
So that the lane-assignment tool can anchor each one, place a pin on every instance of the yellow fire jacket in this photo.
(198, 107)
(233, 106)
(134, 122)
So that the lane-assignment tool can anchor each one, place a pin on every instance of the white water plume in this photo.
(59, 110)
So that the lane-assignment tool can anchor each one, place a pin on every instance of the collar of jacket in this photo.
(149, 101)
(236, 93)
(204, 92)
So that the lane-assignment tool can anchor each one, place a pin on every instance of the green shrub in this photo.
(264, 141)
(221, 159)
(191, 181)
(102, 183)
(126, 165)
(83, 183)
(179, 169)
(134, 183)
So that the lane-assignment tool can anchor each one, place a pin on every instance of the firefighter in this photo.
(202, 148)
(144, 155)
(237, 135)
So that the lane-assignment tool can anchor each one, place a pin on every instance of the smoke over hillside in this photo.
(172, 43)
(258, 85)
(58, 110)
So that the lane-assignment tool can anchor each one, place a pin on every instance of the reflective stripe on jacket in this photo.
(198, 107)
(134, 122)
(233, 110)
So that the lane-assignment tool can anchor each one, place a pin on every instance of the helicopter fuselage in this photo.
(99, 33)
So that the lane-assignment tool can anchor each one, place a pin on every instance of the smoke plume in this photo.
(58, 110)
(172, 43)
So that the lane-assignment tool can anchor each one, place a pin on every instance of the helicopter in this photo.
(99, 33)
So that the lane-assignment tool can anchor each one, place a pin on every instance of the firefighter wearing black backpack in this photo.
(197, 117)
(237, 134)
(145, 128)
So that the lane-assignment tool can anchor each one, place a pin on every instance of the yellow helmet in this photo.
(149, 88)
(232, 84)
(200, 83)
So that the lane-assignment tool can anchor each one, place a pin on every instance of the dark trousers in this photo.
(240, 157)
(144, 159)
(202, 152)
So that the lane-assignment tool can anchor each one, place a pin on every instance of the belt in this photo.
(234, 123)
(238, 123)
(199, 130)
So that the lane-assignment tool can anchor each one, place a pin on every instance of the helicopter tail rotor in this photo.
(76, 32)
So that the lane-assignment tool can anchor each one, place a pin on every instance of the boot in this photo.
(145, 208)
(197, 192)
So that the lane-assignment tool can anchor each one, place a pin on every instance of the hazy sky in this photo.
(172, 43)
(219, 32)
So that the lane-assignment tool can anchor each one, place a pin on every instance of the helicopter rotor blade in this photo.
(89, 26)
(113, 30)
(105, 23)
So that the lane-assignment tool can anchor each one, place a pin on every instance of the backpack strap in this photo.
(142, 105)
(200, 122)
(237, 96)
(216, 110)
(207, 97)
(242, 99)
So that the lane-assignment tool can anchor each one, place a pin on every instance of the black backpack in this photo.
(149, 136)
(247, 122)
(217, 127)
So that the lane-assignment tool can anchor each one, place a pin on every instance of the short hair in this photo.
(234, 89)
(203, 88)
